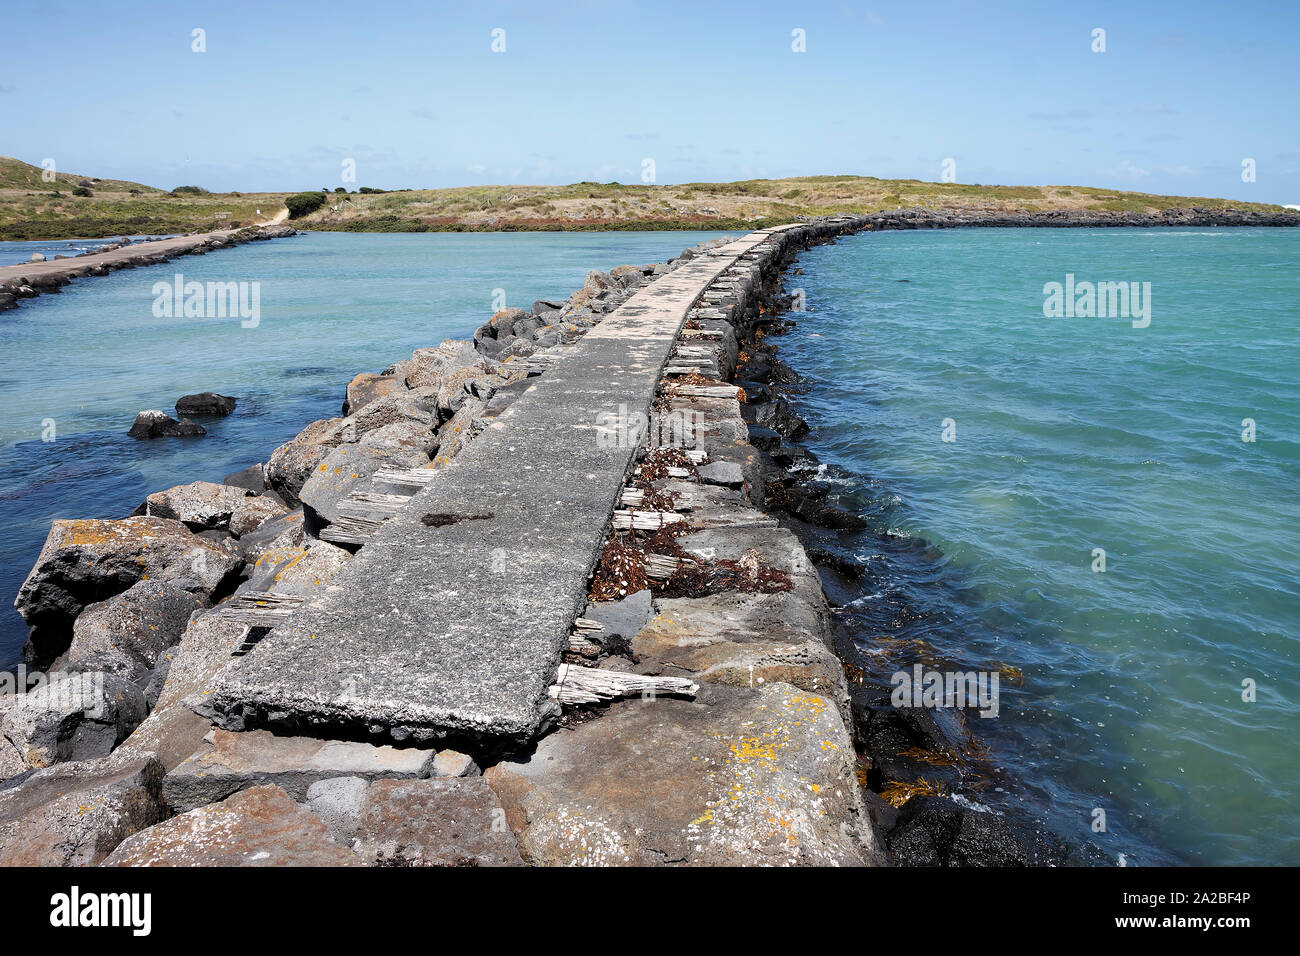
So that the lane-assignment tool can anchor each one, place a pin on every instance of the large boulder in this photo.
(458, 431)
(258, 827)
(126, 634)
(365, 387)
(158, 424)
(348, 468)
(251, 513)
(415, 406)
(75, 814)
(735, 777)
(938, 831)
(173, 731)
(293, 462)
(296, 571)
(439, 822)
(77, 717)
(90, 560)
(185, 672)
(427, 366)
(274, 534)
(202, 505)
(253, 478)
(402, 438)
(205, 403)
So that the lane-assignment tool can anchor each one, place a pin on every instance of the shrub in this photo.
(192, 190)
(340, 189)
(302, 204)
(82, 191)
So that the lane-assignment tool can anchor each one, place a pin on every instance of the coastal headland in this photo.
(34, 206)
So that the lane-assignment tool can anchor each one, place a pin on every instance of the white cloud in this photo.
(1126, 170)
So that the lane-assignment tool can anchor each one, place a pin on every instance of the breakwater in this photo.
(535, 578)
(464, 502)
(30, 279)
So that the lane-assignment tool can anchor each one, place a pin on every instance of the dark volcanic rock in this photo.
(779, 416)
(81, 717)
(253, 478)
(158, 424)
(938, 831)
(205, 403)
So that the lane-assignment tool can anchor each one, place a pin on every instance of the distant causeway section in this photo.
(30, 279)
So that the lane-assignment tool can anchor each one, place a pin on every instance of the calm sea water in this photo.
(1074, 434)
(14, 253)
(86, 360)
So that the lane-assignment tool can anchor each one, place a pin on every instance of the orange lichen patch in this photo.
(277, 555)
(93, 532)
(897, 792)
(279, 573)
(762, 798)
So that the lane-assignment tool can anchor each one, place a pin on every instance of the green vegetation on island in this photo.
(80, 206)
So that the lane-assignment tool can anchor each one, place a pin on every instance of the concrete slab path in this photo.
(458, 629)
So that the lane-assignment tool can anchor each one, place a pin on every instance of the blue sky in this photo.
(412, 92)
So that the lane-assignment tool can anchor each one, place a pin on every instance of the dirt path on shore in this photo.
(275, 220)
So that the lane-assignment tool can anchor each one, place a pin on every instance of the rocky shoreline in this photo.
(1195, 216)
(30, 279)
(699, 713)
(916, 764)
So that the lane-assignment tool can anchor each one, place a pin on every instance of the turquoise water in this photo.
(331, 305)
(15, 253)
(1073, 434)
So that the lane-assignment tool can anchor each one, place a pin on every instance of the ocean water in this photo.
(1069, 435)
(15, 253)
(78, 365)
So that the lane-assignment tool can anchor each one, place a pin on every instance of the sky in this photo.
(413, 93)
